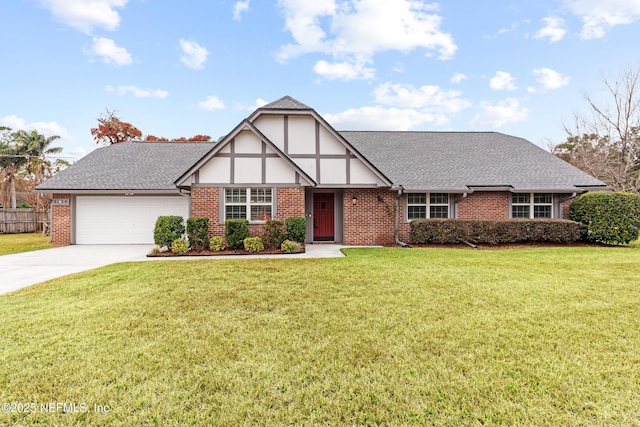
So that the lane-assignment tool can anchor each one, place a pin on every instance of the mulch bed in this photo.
(483, 246)
(225, 252)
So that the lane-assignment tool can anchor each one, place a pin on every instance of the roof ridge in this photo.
(285, 103)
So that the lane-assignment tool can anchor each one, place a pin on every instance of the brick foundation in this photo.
(61, 222)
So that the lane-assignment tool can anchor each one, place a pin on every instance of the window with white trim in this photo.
(532, 205)
(252, 204)
(427, 205)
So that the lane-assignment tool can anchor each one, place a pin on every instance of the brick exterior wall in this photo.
(491, 205)
(372, 220)
(205, 203)
(61, 222)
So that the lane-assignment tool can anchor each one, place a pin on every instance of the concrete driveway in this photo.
(28, 268)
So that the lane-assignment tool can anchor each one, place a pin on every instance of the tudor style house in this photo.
(354, 188)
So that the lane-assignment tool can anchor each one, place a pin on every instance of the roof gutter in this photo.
(397, 225)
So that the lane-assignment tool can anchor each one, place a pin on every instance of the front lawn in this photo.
(15, 243)
(386, 336)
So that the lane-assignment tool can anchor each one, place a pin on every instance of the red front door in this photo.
(323, 229)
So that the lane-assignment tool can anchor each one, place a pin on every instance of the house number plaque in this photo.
(60, 202)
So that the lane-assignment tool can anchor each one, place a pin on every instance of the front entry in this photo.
(323, 217)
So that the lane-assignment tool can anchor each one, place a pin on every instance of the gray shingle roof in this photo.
(130, 166)
(285, 103)
(459, 160)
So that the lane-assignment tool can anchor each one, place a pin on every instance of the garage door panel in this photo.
(123, 220)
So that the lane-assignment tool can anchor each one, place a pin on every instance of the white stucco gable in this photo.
(283, 146)
(246, 157)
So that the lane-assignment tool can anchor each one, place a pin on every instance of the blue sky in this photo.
(180, 68)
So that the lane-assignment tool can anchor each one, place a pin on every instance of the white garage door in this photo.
(123, 219)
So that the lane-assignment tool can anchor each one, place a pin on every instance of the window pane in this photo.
(416, 212)
(235, 195)
(439, 199)
(439, 211)
(542, 211)
(235, 212)
(520, 211)
(417, 199)
(260, 195)
(542, 198)
(259, 212)
(518, 198)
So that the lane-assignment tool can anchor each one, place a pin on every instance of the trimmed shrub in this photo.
(253, 244)
(180, 246)
(611, 218)
(216, 244)
(235, 231)
(273, 233)
(168, 229)
(448, 231)
(289, 246)
(198, 232)
(296, 228)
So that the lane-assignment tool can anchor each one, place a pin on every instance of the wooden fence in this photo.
(14, 221)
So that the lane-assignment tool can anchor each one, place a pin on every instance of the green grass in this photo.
(15, 243)
(383, 337)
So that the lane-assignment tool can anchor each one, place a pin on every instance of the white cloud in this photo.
(500, 113)
(550, 79)
(354, 31)
(502, 81)
(599, 16)
(381, 118)
(46, 128)
(137, 92)
(458, 78)
(554, 29)
(427, 98)
(109, 52)
(193, 55)
(239, 8)
(343, 71)
(84, 15)
(211, 103)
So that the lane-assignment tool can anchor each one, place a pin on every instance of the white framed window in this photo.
(532, 205)
(252, 204)
(427, 205)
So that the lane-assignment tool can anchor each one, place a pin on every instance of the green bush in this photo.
(273, 233)
(611, 218)
(447, 231)
(235, 231)
(216, 244)
(253, 244)
(180, 246)
(296, 228)
(168, 229)
(198, 232)
(289, 247)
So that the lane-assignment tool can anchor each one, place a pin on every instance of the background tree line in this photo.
(605, 142)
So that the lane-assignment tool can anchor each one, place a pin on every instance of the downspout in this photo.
(562, 201)
(464, 196)
(50, 216)
(397, 227)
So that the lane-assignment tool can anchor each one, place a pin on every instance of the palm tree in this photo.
(24, 149)
(12, 158)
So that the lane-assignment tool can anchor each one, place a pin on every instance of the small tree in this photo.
(611, 218)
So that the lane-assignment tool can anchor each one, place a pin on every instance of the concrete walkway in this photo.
(28, 268)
